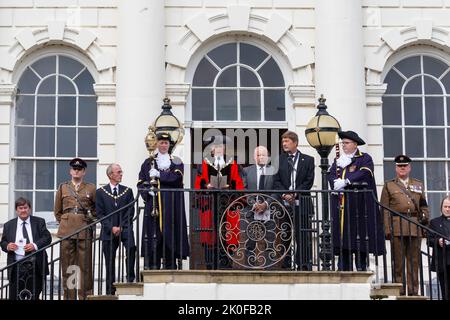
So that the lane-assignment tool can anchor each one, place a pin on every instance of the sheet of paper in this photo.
(20, 244)
(218, 182)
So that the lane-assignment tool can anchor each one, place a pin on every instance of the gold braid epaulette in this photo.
(113, 196)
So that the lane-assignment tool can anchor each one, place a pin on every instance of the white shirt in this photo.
(259, 171)
(219, 162)
(114, 186)
(293, 176)
(20, 241)
(163, 161)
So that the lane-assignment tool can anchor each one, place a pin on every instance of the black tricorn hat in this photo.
(164, 136)
(78, 163)
(352, 136)
(402, 159)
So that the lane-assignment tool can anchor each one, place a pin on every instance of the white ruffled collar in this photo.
(163, 160)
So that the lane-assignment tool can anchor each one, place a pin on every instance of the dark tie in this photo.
(290, 163)
(115, 192)
(262, 178)
(25, 232)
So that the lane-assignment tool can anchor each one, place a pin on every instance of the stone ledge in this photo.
(254, 277)
(413, 298)
(385, 290)
(136, 289)
(103, 297)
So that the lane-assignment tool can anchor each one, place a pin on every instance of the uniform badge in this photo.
(352, 168)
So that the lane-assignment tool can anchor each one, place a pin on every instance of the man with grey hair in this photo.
(118, 227)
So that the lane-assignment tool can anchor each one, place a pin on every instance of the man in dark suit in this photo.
(23, 236)
(296, 172)
(118, 227)
(440, 262)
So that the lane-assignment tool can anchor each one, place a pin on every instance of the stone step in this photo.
(385, 290)
(135, 289)
(102, 297)
(413, 298)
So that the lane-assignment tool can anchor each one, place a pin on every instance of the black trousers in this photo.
(25, 282)
(109, 251)
(444, 282)
(345, 261)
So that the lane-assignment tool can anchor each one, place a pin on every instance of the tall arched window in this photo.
(238, 82)
(416, 122)
(55, 120)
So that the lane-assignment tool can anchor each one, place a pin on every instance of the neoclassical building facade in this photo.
(86, 78)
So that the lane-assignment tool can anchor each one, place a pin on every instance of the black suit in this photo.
(29, 273)
(104, 205)
(440, 262)
(303, 210)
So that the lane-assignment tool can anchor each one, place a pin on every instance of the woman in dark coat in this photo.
(357, 224)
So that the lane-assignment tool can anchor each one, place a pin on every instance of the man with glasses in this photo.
(75, 209)
(405, 195)
(357, 224)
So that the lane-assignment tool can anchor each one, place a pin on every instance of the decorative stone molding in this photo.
(238, 19)
(421, 32)
(302, 95)
(7, 93)
(177, 93)
(55, 32)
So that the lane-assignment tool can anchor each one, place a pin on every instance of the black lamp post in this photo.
(321, 134)
(166, 122)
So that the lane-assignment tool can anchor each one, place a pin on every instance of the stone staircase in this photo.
(391, 291)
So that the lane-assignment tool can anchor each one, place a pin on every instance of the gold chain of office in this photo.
(113, 196)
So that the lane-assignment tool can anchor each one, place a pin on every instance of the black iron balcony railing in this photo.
(231, 230)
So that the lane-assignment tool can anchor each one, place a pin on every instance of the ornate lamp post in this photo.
(166, 122)
(321, 135)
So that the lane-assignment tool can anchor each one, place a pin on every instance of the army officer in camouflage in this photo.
(405, 195)
(74, 209)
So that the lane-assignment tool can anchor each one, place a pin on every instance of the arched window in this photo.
(55, 120)
(416, 122)
(238, 82)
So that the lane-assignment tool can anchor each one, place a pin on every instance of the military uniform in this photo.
(406, 237)
(74, 209)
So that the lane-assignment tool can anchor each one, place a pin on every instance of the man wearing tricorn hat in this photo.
(168, 232)
(405, 195)
(357, 224)
(218, 171)
(74, 209)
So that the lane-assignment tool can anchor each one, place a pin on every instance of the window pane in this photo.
(45, 175)
(65, 86)
(204, 74)
(435, 175)
(394, 82)
(271, 74)
(446, 82)
(434, 111)
(414, 142)
(24, 175)
(434, 202)
(392, 113)
(69, 67)
(62, 172)
(448, 144)
(436, 143)
(85, 83)
(274, 107)
(202, 104)
(24, 141)
(44, 201)
(45, 142)
(389, 170)
(250, 105)
(28, 82)
(251, 55)
(24, 110)
(226, 103)
(24, 194)
(224, 55)
(417, 170)
(48, 86)
(227, 78)
(248, 78)
(431, 86)
(45, 111)
(91, 172)
(434, 66)
(413, 111)
(66, 111)
(87, 111)
(66, 142)
(392, 141)
(45, 66)
(414, 86)
(409, 66)
(87, 142)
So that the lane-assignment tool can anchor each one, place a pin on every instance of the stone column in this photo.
(339, 64)
(140, 80)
